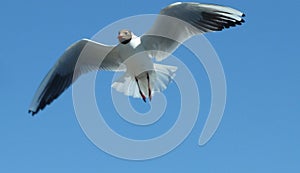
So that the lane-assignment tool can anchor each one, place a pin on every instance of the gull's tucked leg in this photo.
(141, 93)
(149, 88)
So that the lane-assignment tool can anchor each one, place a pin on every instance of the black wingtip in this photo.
(243, 15)
(32, 112)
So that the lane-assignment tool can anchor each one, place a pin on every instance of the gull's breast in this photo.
(138, 63)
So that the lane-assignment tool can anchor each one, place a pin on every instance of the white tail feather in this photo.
(159, 80)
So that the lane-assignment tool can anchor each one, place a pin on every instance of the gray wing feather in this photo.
(180, 21)
(81, 57)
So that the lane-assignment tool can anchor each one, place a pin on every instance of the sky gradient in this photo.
(260, 128)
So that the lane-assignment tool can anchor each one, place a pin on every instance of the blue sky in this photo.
(260, 127)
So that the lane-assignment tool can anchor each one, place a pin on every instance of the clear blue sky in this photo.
(260, 129)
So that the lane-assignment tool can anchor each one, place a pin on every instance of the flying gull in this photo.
(133, 55)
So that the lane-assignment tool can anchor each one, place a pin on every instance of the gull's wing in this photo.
(85, 55)
(179, 21)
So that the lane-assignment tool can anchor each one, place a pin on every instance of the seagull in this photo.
(134, 55)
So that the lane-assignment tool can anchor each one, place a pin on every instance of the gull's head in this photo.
(125, 36)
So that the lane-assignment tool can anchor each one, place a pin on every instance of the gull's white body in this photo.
(138, 62)
(175, 24)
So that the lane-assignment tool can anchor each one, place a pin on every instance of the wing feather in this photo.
(182, 20)
(81, 57)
